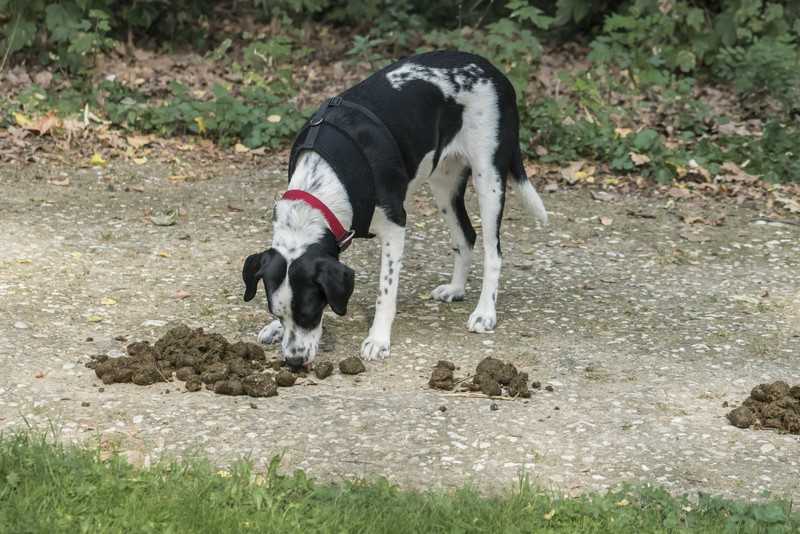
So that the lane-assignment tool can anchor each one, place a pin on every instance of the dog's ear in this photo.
(251, 273)
(337, 282)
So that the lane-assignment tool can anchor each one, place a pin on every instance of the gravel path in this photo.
(643, 328)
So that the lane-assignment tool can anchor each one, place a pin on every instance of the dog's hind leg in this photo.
(448, 185)
(392, 237)
(490, 186)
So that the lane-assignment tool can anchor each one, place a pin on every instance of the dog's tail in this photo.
(530, 198)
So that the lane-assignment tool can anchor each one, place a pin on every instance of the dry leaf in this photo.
(107, 301)
(164, 219)
(94, 318)
(138, 141)
(64, 182)
(274, 119)
(181, 294)
(696, 168)
(603, 196)
(97, 160)
(679, 192)
(623, 132)
(38, 374)
(694, 237)
(606, 221)
(549, 515)
(201, 125)
(45, 124)
(239, 148)
(639, 159)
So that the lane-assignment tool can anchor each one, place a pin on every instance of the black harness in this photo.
(361, 152)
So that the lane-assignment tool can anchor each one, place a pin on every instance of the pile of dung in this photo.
(775, 405)
(200, 360)
(492, 377)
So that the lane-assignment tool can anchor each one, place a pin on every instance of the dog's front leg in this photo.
(392, 238)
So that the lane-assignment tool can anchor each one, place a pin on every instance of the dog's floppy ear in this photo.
(251, 273)
(337, 282)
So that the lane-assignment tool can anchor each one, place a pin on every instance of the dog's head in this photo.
(297, 292)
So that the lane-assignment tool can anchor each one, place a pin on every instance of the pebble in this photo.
(85, 404)
(494, 407)
(21, 325)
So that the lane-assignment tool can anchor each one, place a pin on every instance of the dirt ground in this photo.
(649, 331)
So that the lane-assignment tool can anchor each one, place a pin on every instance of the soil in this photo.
(775, 405)
(196, 358)
(352, 366)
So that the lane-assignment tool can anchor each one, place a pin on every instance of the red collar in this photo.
(343, 237)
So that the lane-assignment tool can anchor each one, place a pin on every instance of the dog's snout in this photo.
(295, 362)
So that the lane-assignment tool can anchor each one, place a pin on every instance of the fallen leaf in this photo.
(679, 192)
(551, 187)
(606, 221)
(734, 173)
(788, 203)
(140, 161)
(23, 260)
(576, 172)
(549, 515)
(274, 119)
(163, 254)
(239, 148)
(38, 374)
(201, 125)
(45, 124)
(97, 160)
(164, 219)
(622, 503)
(139, 141)
(22, 120)
(181, 294)
(64, 182)
(43, 79)
(177, 178)
(695, 237)
(692, 219)
(623, 132)
(231, 207)
(696, 168)
(639, 159)
(107, 301)
(603, 196)
(94, 318)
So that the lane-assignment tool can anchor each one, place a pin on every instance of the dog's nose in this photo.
(295, 362)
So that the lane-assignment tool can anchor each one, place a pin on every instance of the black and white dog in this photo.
(440, 117)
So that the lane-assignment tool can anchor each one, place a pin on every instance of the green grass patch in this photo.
(47, 487)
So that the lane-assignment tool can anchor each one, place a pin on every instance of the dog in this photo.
(439, 116)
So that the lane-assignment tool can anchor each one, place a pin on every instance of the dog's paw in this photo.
(482, 321)
(448, 293)
(374, 349)
(272, 333)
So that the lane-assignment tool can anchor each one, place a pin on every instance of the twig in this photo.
(477, 396)
(773, 220)
(462, 380)
(10, 42)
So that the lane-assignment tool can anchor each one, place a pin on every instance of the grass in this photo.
(48, 487)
